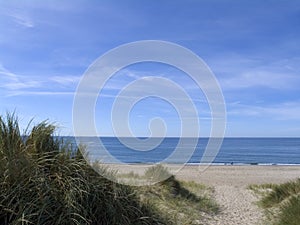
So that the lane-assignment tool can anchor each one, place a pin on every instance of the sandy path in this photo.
(237, 206)
(238, 203)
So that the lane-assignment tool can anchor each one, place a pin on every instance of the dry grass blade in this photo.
(42, 181)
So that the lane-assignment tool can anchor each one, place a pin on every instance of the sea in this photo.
(233, 151)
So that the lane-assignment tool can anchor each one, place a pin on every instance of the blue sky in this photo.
(253, 48)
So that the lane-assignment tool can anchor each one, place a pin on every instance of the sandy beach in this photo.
(239, 176)
(218, 175)
(230, 188)
(237, 202)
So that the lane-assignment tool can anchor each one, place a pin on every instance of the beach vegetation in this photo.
(281, 202)
(179, 201)
(46, 181)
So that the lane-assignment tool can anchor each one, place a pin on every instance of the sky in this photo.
(252, 47)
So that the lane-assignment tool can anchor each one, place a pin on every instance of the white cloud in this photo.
(40, 93)
(281, 111)
(21, 85)
(13, 84)
(261, 78)
(12, 81)
(22, 20)
(240, 72)
(18, 15)
(5, 73)
(65, 80)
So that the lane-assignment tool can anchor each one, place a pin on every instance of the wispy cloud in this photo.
(12, 81)
(18, 15)
(21, 85)
(240, 72)
(22, 20)
(40, 93)
(13, 84)
(261, 78)
(5, 73)
(281, 111)
(65, 80)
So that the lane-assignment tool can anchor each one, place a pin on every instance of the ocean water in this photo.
(237, 151)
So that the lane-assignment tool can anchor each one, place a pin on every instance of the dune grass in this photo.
(180, 202)
(282, 202)
(42, 181)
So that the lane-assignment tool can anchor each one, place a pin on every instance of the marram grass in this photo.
(43, 182)
(282, 202)
(180, 202)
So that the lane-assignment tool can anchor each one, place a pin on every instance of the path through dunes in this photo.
(237, 206)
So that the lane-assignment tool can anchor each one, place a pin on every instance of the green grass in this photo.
(282, 202)
(43, 182)
(157, 173)
(180, 202)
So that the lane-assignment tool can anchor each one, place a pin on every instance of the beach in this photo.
(239, 176)
(215, 175)
(230, 183)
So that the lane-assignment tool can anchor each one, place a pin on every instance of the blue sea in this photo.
(237, 151)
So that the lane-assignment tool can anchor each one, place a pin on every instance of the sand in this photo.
(239, 176)
(230, 184)
(237, 202)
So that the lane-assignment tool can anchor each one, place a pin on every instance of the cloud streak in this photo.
(40, 93)
(282, 111)
(13, 81)
(65, 80)
(240, 72)
(261, 78)
(13, 84)
(22, 20)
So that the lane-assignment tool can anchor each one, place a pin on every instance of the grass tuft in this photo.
(157, 173)
(42, 181)
(282, 202)
(180, 202)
